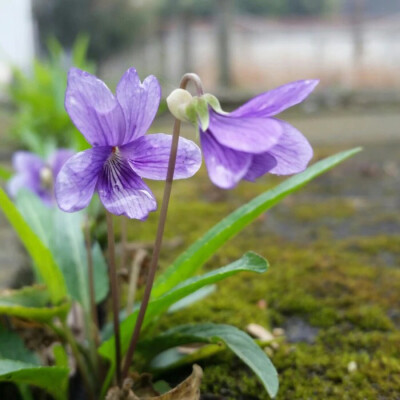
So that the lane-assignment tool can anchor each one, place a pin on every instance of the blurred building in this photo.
(16, 37)
(266, 52)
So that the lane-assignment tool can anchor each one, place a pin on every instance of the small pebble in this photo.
(352, 366)
(278, 332)
(259, 332)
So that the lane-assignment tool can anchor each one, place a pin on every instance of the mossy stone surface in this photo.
(334, 250)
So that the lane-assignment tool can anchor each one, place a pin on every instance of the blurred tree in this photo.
(111, 25)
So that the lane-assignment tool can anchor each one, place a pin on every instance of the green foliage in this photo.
(5, 173)
(41, 122)
(199, 252)
(249, 262)
(12, 347)
(46, 266)
(236, 340)
(31, 303)
(62, 233)
(52, 379)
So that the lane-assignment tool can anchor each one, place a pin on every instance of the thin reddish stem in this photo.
(114, 294)
(190, 77)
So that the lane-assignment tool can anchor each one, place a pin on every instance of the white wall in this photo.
(16, 36)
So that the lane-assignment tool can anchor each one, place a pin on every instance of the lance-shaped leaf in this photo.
(236, 340)
(62, 233)
(44, 262)
(249, 262)
(31, 303)
(53, 380)
(199, 252)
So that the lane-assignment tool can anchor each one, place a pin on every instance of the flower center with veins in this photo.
(114, 167)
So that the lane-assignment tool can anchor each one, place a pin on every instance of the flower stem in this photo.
(114, 294)
(78, 358)
(92, 293)
(161, 225)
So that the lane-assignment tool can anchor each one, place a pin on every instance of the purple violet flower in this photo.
(248, 142)
(37, 175)
(121, 154)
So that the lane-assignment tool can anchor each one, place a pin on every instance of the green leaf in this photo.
(62, 234)
(5, 173)
(53, 380)
(192, 298)
(200, 251)
(249, 262)
(236, 340)
(173, 358)
(42, 257)
(60, 355)
(12, 347)
(31, 303)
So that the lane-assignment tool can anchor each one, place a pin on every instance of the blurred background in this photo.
(334, 285)
(240, 44)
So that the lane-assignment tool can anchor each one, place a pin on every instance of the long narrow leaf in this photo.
(52, 379)
(200, 251)
(41, 255)
(62, 233)
(249, 262)
(31, 303)
(236, 340)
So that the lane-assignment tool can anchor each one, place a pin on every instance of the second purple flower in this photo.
(121, 154)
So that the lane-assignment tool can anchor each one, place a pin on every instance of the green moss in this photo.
(332, 208)
(343, 287)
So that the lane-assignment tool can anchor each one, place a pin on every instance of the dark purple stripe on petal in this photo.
(226, 167)
(78, 177)
(149, 156)
(122, 191)
(275, 101)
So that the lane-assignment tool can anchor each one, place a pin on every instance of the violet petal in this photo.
(251, 135)
(276, 100)
(260, 165)
(139, 102)
(122, 191)
(292, 153)
(78, 177)
(28, 167)
(94, 109)
(149, 156)
(226, 167)
(58, 159)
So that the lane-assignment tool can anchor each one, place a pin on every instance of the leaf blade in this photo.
(52, 379)
(199, 252)
(236, 340)
(41, 255)
(251, 262)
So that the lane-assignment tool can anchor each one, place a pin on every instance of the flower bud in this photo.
(178, 102)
